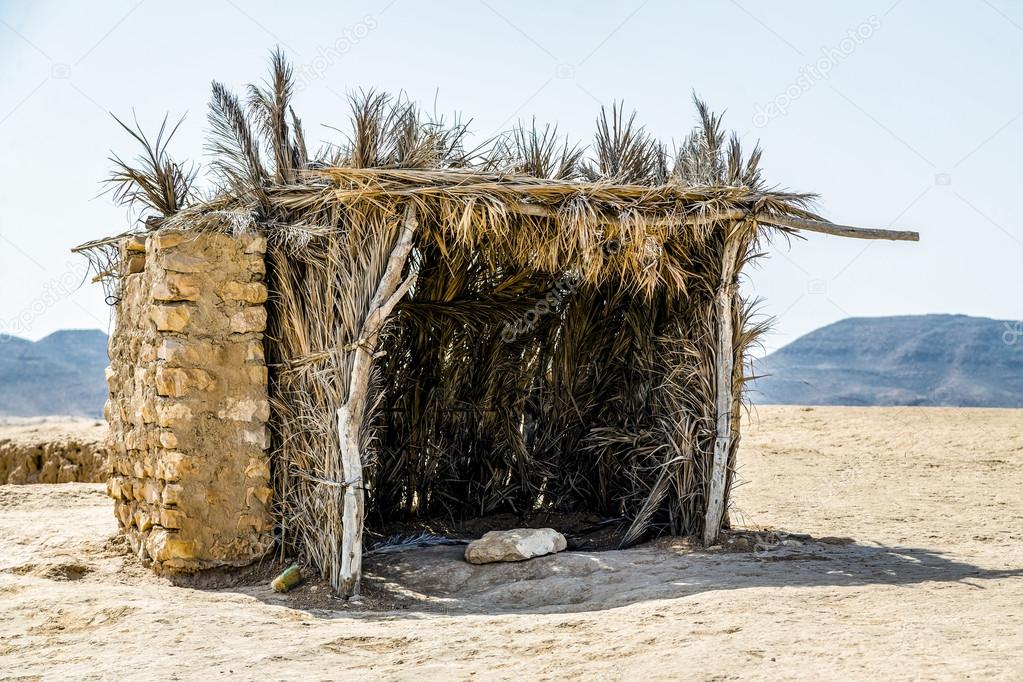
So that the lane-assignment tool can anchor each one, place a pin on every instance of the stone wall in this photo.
(49, 450)
(188, 401)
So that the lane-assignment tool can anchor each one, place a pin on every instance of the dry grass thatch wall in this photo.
(563, 361)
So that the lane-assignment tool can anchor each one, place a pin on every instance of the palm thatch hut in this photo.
(520, 326)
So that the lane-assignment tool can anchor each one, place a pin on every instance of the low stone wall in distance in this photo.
(52, 450)
(188, 401)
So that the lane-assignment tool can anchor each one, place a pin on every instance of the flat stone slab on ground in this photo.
(517, 544)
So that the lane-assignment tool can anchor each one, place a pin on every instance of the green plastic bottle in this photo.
(285, 581)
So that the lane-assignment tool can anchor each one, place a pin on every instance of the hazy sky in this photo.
(905, 114)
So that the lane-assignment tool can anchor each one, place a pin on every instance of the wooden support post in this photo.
(354, 504)
(724, 367)
(351, 415)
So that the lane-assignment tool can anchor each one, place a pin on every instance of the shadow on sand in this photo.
(437, 580)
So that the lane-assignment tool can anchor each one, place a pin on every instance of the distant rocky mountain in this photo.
(62, 374)
(913, 360)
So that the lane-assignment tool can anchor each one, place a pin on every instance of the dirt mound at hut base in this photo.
(438, 578)
(52, 450)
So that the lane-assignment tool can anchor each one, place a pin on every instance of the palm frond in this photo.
(300, 152)
(154, 182)
(625, 152)
(269, 108)
(540, 153)
(235, 150)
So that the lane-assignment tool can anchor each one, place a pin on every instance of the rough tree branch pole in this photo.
(351, 415)
(724, 370)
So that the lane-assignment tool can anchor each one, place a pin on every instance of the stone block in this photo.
(248, 320)
(256, 269)
(132, 439)
(143, 521)
(174, 286)
(182, 262)
(173, 466)
(140, 377)
(191, 353)
(173, 493)
(145, 412)
(258, 436)
(170, 318)
(177, 382)
(151, 492)
(168, 439)
(257, 375)
(254, 243)
(122, 465)
(261, 493)
(166, 239)
(168, 414)
(254, 352)
(171, 518)
(253, 293)
(134, 263)
(245, 410)
(164, 545)
(258, 468)
(135, 244)
(124, 514)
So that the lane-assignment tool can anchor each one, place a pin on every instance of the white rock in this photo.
(514, 545)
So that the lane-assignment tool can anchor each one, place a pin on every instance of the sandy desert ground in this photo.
(52, 428)
(930, 587)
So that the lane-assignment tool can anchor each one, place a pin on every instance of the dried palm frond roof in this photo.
(589, 227)
(594, 229)
(526, 198)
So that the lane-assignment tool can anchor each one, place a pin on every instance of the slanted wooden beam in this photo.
(806, 224)
(839, 230)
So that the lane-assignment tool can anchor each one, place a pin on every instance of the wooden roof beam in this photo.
(840, 230)
(769, 218)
